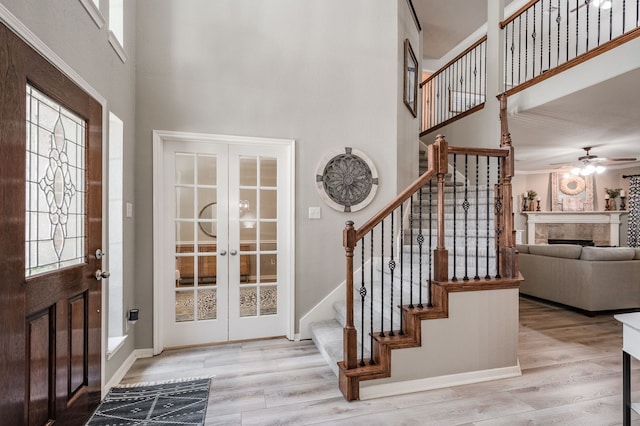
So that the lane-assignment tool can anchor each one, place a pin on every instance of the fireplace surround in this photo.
(603, 228)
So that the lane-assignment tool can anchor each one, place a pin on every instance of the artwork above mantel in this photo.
(610, 219)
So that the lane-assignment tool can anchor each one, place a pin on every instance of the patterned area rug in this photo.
(172, 403)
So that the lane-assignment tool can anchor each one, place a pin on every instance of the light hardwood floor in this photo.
(571, 375)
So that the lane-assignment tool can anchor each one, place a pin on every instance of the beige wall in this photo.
(324, 73)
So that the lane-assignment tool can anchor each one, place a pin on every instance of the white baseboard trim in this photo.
(419, 385)
(126, 365)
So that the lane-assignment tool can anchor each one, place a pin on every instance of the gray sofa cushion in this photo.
(568, 251)
(607, 253)
(524, 248)
(637, 253)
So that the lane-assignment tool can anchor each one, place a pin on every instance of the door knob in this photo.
(101, 274)
(233, 252)
(100, 254)
(223, 253)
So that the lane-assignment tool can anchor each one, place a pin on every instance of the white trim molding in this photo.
(117, 46)
(608, 217)
(159, 138)
(430, 383)
(94, 12)
(124, 368)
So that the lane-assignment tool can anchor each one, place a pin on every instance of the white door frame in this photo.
(159, 138)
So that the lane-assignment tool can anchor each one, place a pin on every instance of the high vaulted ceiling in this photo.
(605, 116)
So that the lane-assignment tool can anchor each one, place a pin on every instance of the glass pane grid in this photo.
(55, 186)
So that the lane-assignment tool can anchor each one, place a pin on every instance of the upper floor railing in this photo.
(541, 39)
(546, 37)
(457, 89)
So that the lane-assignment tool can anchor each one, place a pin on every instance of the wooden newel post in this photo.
(508, 257)
(350, 342)
(441, 254)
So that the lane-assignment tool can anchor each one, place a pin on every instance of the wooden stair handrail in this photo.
(401, 198)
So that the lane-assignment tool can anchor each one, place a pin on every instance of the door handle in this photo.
(223, 253)
(233, 252)
(101, 274)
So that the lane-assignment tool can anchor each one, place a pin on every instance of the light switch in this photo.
(314, 212)
(129, 209)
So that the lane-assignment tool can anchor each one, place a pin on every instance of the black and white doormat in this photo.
(171, 403)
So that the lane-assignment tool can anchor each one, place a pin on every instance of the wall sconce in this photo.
(132, 316)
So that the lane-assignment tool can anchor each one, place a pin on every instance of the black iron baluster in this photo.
(567, 48)
(637, 13)
(363, 294)
(411, 250)
(465, 206)
(513, 29)
(429, 303)
(558, 20)
(577, 27)
(587, 37)
(392, 268)
(541, 38)
(381, 278)
(420, 241)
(519, 50)
(533, 45)
(549, 38)
(371, 267)
(599, 23)
(455, 201)
(498, 219)
(526, 47)
(401, 231)
(624, 14)
(488, 213)
(477, 276)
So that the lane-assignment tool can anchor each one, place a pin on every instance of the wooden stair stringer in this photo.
(411, 336)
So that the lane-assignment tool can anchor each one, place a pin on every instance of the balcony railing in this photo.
(457, 89)
(546, 37)
(542, 39)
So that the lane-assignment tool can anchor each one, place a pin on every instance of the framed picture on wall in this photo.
(571, 192)
(410, 79)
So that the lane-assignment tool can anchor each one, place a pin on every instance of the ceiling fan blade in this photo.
(564, 163)
(621, 159)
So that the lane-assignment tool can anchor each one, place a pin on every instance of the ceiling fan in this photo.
(591, 163)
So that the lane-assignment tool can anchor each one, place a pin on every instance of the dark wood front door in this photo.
(50, 229)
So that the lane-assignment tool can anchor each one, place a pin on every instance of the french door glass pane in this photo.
(258, 235)
(55, 185)
(196, 229)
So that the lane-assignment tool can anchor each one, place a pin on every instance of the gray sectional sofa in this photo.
(590, 279)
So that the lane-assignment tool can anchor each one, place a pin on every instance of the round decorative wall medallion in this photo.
(347, 181)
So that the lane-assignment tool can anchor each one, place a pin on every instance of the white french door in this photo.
(224, 252)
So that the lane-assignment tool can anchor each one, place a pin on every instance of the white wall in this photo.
(67, 29)
(321, 72)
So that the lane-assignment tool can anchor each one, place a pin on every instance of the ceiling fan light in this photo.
(588, 170)
(576, 171)
(602, 4)
(600, 169)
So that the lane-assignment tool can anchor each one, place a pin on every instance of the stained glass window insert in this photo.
(55, 185)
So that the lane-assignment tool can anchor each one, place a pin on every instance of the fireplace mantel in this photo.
(610, 217)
